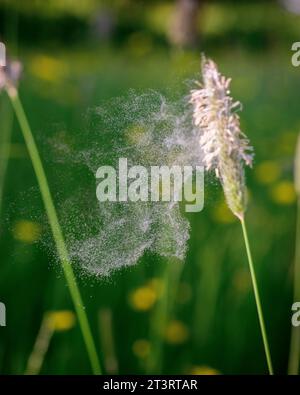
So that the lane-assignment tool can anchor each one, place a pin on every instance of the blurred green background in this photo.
(77, 54)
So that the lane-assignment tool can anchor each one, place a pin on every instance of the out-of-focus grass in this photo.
(214, 325)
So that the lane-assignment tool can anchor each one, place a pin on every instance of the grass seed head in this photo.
(226, 149)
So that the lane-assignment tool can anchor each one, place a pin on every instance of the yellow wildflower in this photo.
(27, 231)
(176, 332)
(223, 214)
(48, 68)
(267, 172)
(283, 193)
(203, 371)
(141, 348)
(143, 298)
(157, 285)
(62, 320)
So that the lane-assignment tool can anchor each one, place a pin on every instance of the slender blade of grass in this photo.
(294, 357)
(56, 230)
(257, 297)
(5, 138)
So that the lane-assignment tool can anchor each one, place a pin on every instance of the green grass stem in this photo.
(257, 298)
(56, 230)
(294, 358)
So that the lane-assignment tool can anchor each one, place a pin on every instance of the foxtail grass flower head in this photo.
(226, 149)
(10, 75)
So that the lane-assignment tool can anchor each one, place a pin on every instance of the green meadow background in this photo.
(196, 317)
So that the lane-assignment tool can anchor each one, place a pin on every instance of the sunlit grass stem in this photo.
(40, 348)
(5, 143)
(163, 313)
(6, 113)
(294, 358)
(158, 325)
(257, 297)
(56, 229)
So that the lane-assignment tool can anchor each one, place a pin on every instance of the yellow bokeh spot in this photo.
(176, 332)
(27, 231)
(283, 193)
(222, 214)
(48, 68)
(157, 285)
(61, 320)
(141, 348)
(204, 371)
(267, 172)
(159, 16)
(143, 298)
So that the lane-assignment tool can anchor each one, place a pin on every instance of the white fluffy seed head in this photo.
(225, 148)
